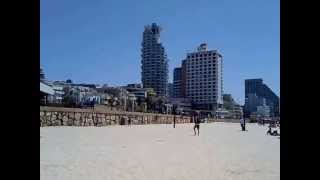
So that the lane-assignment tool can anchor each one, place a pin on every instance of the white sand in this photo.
(146, 152)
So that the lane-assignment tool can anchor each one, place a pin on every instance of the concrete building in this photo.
(80, 94)
(184, 79)
(263, 111)
(170, 90)
(237, 112)
(177, 82)
(134, 85)
(58, 95)
(154, 61)
(140, 93)
(255, 92)
(183, 104)
(203, 78)
(251, 103)
(45, 92)
(229, 104)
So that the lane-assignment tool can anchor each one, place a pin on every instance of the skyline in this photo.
(78, 34)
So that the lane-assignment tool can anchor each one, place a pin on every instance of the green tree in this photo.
(161, 103)
(67, 98)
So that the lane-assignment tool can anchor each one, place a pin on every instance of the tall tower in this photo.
(203, 82)
(177, 79)
(154, 61)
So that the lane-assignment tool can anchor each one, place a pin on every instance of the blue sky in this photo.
(99, 41)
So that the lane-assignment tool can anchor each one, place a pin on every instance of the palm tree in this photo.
(112, 101)
(151, 103)
(161, 101)
(68, 99)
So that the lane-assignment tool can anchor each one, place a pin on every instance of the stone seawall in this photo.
(56, 116)
(59, 116)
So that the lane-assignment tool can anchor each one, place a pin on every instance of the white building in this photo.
(58, 94)
(45, 92)
(204, 85)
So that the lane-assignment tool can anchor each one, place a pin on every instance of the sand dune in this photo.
(159, 152)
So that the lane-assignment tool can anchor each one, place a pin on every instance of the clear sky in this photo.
(99, 41)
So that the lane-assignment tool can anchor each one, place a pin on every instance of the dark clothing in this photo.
(197, 119)
(269, 131)
(129, 121)
(243, 127)
(197, 122)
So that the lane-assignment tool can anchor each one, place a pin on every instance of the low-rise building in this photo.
(183, 105)
(45, 92)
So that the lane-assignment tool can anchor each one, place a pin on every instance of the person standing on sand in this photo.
(129, 121)
(243, 124)
(196, 123)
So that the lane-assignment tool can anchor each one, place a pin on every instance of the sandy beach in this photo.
(159, 152)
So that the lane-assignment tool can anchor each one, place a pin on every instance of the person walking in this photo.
(196, 123)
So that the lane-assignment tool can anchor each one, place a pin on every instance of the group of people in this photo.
(275, 132)
(269, 132)
(197, 120)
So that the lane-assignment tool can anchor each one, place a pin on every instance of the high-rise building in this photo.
(263, 110)
(154, 61)
(184, 79)
(134, 85)
(256, 93)
(177, 80)
(170, 90)
(202, 78)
